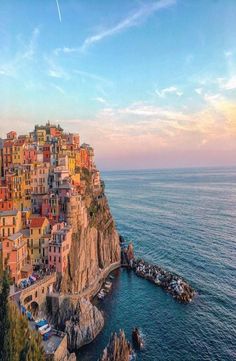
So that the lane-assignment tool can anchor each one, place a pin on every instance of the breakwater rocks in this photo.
(172, 283)
(118, 348)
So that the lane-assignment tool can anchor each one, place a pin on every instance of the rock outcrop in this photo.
(84, 325)
(95, 245)
(127, 255)
(118, 349)
(81, 320)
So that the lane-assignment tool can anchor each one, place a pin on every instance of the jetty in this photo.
(172, 283)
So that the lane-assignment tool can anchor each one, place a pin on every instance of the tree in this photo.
(17, 341)
(5, 324)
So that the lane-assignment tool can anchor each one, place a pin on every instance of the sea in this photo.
(185, 221)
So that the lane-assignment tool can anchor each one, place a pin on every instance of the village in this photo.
(40, 180)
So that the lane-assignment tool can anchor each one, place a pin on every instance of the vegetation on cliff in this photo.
(18, 342)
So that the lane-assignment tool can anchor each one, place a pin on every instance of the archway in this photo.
(28, 299)
(34, 308)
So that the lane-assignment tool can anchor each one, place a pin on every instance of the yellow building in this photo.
(10, 223)
(19, 185)
(39, 228)
(77, 159)
(18, 152)
(71, 164)
(41, 136)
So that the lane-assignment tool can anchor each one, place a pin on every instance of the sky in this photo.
(149, 84)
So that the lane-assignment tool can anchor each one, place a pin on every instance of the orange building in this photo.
(14, 254)
(6, 203)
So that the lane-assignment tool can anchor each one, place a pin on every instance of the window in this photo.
(31, 231)
(59, 259)
(3, 220)
(55, 258)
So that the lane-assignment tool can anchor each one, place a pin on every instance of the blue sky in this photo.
(152, 81)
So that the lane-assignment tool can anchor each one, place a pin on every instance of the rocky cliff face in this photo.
(95, 246)
(118, 349)
(81, 320)
(94, 251)
(84, 325)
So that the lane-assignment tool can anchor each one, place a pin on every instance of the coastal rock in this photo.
(137, 339)
(81, 320)
(72, 357)
(118, 349)
(84, 325)
(127, 255)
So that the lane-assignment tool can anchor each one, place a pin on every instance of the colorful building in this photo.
(39, 228)
(59, 247)
(14, 254)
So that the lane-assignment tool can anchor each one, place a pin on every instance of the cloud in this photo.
(93, 76)
(22, 57)
(198, 91)
(54, 70)
(58, 88)
(100, 100)
(170, 90)
(65, 50)
(228, 84)
(228, 53)
(133, 20)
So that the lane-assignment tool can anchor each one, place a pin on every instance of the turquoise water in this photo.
(184, 220)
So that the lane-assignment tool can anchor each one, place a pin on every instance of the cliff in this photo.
(95, 251)
(118, 349)
(95, 245)
(84, 325)
(81, 320)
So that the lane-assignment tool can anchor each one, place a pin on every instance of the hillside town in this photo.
(40, 176)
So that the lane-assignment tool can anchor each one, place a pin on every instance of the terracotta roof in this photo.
(37, 222)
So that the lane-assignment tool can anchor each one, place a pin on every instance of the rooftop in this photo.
(8, 213)
(15, 236)
(37, 222)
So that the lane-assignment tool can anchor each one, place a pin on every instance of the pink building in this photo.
(59, 247)
(30, 155)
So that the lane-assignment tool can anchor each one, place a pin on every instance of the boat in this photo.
(45, 331)
(41, 323)
(101, 294)
(42, 328)
(108, 285)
